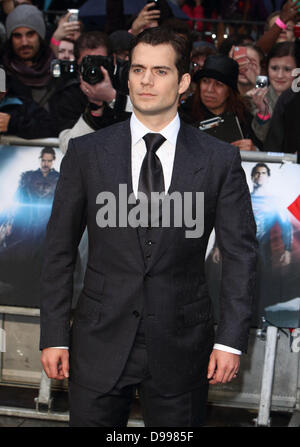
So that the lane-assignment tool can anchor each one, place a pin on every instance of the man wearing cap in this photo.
(27, 60)
(27, 57)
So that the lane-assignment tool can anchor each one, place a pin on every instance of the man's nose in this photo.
(147, 77)
(24, 40)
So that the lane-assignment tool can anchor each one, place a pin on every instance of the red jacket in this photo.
(196, 12)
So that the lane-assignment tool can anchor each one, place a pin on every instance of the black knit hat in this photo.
(219, 67)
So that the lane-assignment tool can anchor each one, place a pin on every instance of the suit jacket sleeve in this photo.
(236, 237)
(64, 231)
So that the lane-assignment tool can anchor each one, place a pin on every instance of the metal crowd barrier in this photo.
(12, 140)
(20, 327)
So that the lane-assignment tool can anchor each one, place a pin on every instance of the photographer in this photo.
(107, 98)
(281, 63)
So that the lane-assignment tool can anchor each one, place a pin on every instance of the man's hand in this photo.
(4, 121)
(66, 29)
(223, 367)
(289, 11)
(146, 18)
(285, 258)
(55, 362)
(216, 255)
(102, 91)
(244, 145)
(258, 96)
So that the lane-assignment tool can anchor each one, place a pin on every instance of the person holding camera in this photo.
(217, 95)
(106, 97)
(281, 62)
(66, 29)
(250, 59)
(279, 26)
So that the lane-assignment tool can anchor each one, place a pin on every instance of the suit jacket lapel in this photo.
(118, 166)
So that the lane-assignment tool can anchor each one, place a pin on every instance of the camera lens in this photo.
(93, 75)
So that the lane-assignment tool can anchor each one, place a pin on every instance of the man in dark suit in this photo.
(144, 319)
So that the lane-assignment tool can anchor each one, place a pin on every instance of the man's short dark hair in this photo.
(158, 36)
(91, 40)
(260, 165)
(48, 150)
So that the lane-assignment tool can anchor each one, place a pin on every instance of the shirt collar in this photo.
(138, 130)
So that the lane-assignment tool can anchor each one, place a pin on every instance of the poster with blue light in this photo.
(275, 197)
(28, 177)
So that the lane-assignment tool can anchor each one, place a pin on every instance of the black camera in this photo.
(61, 68)
(156, 6)
(90, 68)
(91, 72)
(261, 81)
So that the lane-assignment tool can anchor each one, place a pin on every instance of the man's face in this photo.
(123, 55)
(260, 176)
(66, 50)
(25, 43)
(46, 163)
(100, 51)
(153, 83)
(253, 67)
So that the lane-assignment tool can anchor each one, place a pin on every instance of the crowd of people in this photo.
(50, 91)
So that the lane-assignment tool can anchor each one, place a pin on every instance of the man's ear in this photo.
(184, 83)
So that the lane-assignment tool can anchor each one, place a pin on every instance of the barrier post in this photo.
(263, 418)
(44, 400)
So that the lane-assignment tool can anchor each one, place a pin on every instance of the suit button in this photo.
(136, 313)
(149, 243)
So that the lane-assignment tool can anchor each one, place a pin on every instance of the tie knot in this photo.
(153, 141)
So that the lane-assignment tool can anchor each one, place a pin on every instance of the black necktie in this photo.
(151, 175)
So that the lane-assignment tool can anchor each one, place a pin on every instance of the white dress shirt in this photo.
(166, 154)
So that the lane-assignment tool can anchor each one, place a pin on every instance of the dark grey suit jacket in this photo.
(172, 288)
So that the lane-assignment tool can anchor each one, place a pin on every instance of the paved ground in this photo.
(216, 416)
(219, 417)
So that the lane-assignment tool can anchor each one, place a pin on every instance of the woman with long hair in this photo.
(217, 94)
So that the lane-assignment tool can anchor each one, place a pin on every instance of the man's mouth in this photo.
(146, 94)
(25, 49)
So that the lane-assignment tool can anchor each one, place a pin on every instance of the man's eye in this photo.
(162, 72)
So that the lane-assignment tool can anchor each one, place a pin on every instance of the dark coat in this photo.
(61, 98)
(24, 116)
(171, 290)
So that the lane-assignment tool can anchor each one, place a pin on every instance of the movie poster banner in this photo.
(275, 196)
(28, 177)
